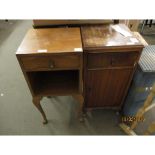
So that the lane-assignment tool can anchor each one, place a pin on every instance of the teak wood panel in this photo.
(41, 63)
(106, 88)
(113, 59)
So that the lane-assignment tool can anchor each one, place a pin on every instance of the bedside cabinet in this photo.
(110, 60)
(52, 62)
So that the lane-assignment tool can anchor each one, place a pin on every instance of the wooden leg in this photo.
(36, 102)
(80, 99)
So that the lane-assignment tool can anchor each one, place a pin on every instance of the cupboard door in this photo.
(107, 87)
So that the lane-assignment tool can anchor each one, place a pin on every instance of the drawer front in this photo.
(117, 59)
(40, 63)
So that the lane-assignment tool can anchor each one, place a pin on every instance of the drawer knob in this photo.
(51, 65)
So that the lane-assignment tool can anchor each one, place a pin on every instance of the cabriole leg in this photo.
(36, 102)
(80, 99)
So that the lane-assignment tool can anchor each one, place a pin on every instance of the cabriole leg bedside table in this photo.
(52, 63)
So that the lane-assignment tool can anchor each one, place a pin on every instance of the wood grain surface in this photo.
(102, 36)
(51, 40)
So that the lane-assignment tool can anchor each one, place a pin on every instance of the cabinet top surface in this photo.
(104, 36)
(51, 40)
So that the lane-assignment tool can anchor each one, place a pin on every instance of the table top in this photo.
(105, 36)
(51, 40)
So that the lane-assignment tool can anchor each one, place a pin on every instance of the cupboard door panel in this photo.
(106, 88)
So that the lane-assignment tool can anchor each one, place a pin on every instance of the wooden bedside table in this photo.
(52, 60)
(110, 60)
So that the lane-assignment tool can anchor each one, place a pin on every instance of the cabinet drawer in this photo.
(117, 59)
(34, 63)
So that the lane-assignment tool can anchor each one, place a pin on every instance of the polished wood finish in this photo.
(52, 62)
(140, 38)
(51, 40)
(106, 38)
(36, 102)
(108, 60)
(80, 99)
(109, 65)
(105, 88)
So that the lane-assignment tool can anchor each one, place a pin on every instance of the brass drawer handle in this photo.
(51, 65)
